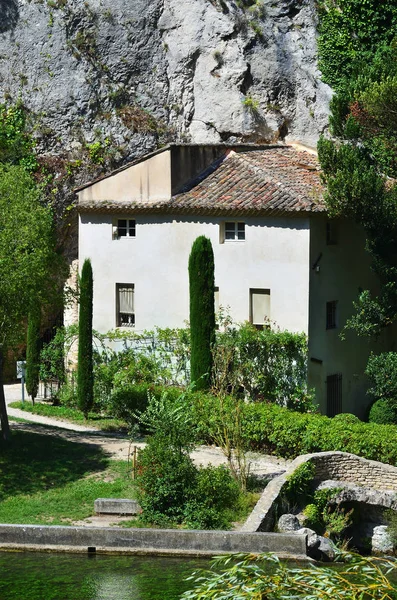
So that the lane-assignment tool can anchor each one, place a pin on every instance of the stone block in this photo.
(116, 506)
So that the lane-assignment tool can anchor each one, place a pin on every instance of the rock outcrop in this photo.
(131, 73)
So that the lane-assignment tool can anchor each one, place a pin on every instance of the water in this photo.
(45, 576)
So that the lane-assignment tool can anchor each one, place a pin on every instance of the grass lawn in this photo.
(72, 415)
(49, 480)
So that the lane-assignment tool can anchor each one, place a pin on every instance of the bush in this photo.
(263, 365)
(287, 433)
(383, 413)
(166, 482)
(125, 402)
(215, 494)
(382, 372)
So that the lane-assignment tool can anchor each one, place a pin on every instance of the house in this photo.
(277, 255)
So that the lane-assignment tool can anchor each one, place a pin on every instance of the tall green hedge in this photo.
(202, 311)
(33, 352)
(85, 377)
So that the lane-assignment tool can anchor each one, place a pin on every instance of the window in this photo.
(334, 394)
(259, 307)
(233, 231)
(331, 233)
(330, 316)
(124, 228)
(125, 314)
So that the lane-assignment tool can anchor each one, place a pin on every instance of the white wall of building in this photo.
(274, 255)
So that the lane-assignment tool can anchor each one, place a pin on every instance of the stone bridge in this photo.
(364, 481)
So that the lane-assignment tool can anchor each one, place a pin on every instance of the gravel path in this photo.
(118, 447)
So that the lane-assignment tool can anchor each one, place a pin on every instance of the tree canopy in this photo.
(31, 269)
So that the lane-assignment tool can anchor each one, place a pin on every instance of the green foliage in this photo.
(85, 381)
(52, 358)
(383, 413)
(171, 489)
(298, 485)
(249, 102)
(256, 577)
(167, 418)
(325, 518)
(262, 365)
(391, 518)
(166, 478)
(28, 258)
(287, 433)
(357, 191)
(382, 371)
(215, 494)
(202, 311)
(16, 145)
(128, 401)
(350, 31)
(33, 352)
(220, 421)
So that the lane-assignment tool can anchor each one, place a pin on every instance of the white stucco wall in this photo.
(274, 255)
(344, 270)
(148, 180)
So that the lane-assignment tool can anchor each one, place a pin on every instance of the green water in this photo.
(45, 576)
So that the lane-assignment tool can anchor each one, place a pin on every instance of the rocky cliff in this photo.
(122, 76)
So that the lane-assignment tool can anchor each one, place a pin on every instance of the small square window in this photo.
(233, 231)
(125, 313)
(124, 228)
(331, 316)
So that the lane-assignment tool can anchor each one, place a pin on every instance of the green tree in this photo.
(27, 258)
(33, 347)
(202, 311)
(85, 377)
(358, 56)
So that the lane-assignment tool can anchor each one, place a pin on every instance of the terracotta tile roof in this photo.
(274, 180)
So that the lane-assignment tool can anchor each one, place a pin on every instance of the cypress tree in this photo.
(33, 352)
(85, 377)
(202, 311)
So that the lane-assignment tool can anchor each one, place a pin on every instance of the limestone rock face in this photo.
(131, 73)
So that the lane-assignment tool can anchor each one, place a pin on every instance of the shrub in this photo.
(125, 402)
(382, 371)
(214, 495)
(286, 433)
(382, 412)
(85, 380)
(202, 311)
(298, 485)
(165, 482)
(52, 358)
(263, 365)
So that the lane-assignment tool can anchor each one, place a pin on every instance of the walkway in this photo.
(118, 446)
